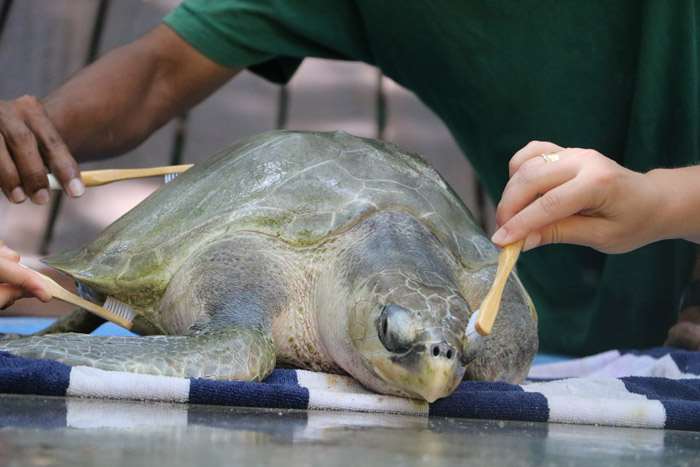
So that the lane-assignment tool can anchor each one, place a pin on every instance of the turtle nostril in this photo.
(442, 350)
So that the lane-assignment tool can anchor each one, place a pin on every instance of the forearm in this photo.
(117, 102)
(680, 216)
(95, 112)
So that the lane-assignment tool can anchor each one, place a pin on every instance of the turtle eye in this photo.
(396, 328)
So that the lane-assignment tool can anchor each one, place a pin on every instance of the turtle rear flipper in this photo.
(221, 304)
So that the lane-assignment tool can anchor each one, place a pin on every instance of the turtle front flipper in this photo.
(226, 354)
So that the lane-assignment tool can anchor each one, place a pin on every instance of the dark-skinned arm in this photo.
(106, 109)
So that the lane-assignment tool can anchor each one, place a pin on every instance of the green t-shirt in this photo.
(621, 77)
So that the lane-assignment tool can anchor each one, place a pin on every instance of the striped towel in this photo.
(659, 388)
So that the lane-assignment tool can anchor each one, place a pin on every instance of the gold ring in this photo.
(550, 156)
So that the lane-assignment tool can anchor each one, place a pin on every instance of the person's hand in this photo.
(685, 334)
(30, 147)
(17, 281)
(582, 198)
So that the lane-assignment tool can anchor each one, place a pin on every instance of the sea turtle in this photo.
(323, 251)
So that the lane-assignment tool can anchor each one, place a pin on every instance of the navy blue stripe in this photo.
(496, 401)
(283, 377)
(280, 390)
(664, 388)
(29, 376)
(682, 415)
(486, 386)
(679, 397)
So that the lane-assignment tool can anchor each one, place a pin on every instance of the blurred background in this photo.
(44, 42)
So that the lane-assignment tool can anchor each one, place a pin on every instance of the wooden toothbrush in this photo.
(102, 177)
(115, 311)
(481, 321)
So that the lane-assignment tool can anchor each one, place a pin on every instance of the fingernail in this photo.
(499, 237)
(41, 196)
(532, 240)
(75, 188)
(18, 195)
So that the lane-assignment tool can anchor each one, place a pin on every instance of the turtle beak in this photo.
(441, 382)
(427, 375)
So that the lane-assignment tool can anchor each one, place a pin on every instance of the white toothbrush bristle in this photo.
(471, 325)
(170, 177)
(53, 183)
(119, 308)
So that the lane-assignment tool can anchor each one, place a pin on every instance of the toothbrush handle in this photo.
(489, 307)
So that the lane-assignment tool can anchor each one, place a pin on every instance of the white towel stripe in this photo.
(92, 382)
(613, 364)
(336, 392)
(598, 401)
(606, 411)
(573, 368)
(330, 382)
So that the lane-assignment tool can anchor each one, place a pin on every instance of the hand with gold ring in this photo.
(16, 281)
(579, 196)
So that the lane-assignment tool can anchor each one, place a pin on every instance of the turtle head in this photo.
(400, 319)
(409, 332)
